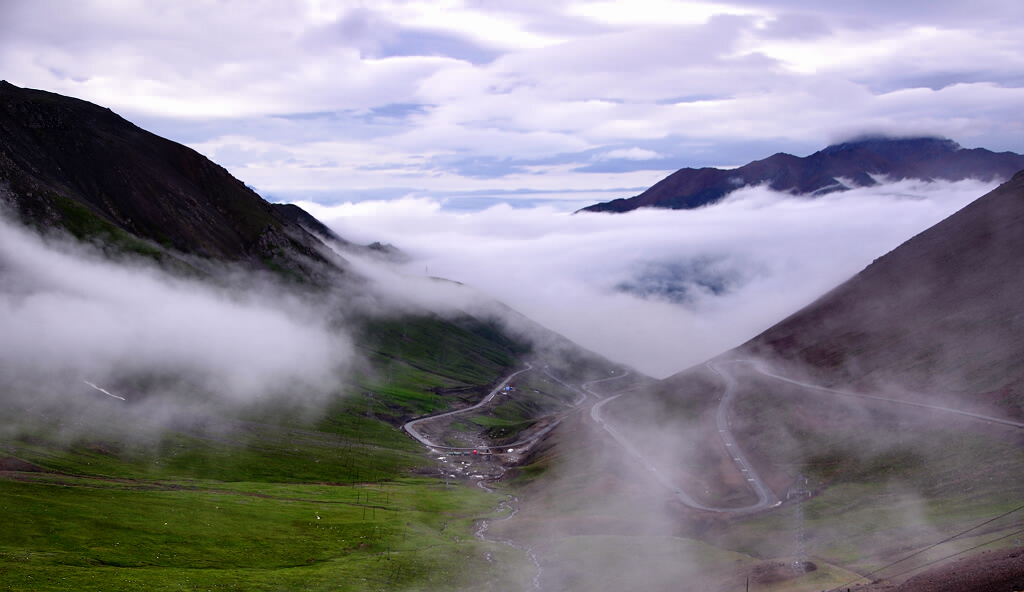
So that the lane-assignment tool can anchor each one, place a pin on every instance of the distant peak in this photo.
(886, 145)
(861, 160)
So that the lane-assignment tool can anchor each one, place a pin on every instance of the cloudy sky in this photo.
(464, 132)
(562, 102)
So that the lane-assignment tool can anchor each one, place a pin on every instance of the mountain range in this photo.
(858, 163)
(270, 501)
(885, 417)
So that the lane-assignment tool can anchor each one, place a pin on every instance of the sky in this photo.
(466, 132)
(561, 103)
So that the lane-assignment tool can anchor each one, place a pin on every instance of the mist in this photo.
(72, 319)
(660, 290)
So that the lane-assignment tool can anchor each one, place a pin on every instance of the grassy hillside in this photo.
(261, 502)
(181, 486)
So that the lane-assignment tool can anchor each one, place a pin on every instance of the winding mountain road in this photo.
(480, 533)
(410, 426)
(586, 385)
(583, 395)
(645, 463)
(765, 497)
(988, 418)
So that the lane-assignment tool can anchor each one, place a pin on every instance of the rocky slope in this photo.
(836, 168)
(941, 313)
(70, 164)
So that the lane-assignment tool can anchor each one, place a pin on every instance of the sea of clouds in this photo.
(660, 290)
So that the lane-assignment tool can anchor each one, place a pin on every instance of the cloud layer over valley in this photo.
(658, 289)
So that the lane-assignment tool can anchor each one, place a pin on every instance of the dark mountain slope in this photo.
(831, 169)
(317, 228)
(306, 220)
(943, 312)
(71, 164)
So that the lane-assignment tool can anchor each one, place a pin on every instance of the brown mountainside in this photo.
(944, 312)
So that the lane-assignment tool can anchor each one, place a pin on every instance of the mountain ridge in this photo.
(838, 167)
(74, 165)
(940, 313)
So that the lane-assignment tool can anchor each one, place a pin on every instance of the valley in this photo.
(204, 390)
(625, 515)
(249, 502)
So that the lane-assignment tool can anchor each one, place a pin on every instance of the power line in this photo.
(932, 546)
(957, 553)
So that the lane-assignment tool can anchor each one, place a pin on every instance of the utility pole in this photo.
(799, 545)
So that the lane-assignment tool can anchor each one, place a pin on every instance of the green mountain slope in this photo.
(279, 493)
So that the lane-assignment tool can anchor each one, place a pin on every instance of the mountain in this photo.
(942, 312)
(836, 168)
(317, 228)
(915, 437)
(70, 164)
(141, 457)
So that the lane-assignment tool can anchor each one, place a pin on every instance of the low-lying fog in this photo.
(68, 316)
(660, 290)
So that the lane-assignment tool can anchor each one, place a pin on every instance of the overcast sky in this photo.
(529, 101)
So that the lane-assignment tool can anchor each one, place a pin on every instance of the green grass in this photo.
(509, 417)
(274, 455)
(407, 534)
(233, 502)
(463, 349)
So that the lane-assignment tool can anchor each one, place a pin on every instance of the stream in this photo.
(481, 534)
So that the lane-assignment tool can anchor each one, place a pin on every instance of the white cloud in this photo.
(654, 12)
(774, 254)
(496, 27)
(566, 86)
(633, 153)
(551, 84)
(67, 315)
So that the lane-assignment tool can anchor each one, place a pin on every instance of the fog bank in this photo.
(70, 317)
(660, 290)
